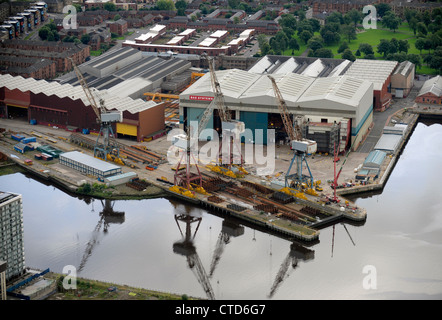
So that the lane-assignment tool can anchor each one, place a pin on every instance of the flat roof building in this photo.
(89, 165)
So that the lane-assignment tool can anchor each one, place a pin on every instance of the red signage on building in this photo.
(201, 98)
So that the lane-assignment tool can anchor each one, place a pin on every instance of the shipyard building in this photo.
(335, 110)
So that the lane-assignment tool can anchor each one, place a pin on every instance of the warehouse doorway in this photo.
(17, 112)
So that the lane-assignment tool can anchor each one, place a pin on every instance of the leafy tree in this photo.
(168, 5)
(370, 56)
(413, 24)
(330, 33)
(323, 53)
(315, 44)
(316, 25)
(384, 47)
(181, 4)
(288, 21)
(293, 44)
(394, 45)
(110, 6)
(422, 28)
(349, 31)
(366, 48)
(335, 17)
(382, 9)
(399, 56)
(342, 47)
(77, 7)
(358, 53)
(304, 26)
(305, 36)
(420, 44)
(436, 60)
(354, 16)
(391, 21)
(348, 55)
(403, 46)
(85, 38)
(117, 17)
(233, 3)
(43, 33)
(414, 58)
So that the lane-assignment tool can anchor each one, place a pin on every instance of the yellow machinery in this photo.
(158, 97)
(294, 192)
(226, 172)
(182, 191)
(115, 159)
(195, 76)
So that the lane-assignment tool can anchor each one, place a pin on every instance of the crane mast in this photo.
(299, 145)
(105, 118)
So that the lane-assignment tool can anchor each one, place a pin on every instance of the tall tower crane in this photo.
(299, 145)
(105, 118)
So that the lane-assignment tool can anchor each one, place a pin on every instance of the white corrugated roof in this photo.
(287, 67)
(112, 102)
(243, 85)
(376, 71)
(433, 85)
(90, 161)
(314, 69)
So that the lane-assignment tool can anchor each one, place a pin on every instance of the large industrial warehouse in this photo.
(333, 108)
(66, 106)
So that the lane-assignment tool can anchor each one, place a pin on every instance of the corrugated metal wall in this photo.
(254, 121)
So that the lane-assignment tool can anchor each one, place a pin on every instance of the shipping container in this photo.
(17, 137)
(29, 139)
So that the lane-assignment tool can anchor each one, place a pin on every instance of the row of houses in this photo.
(60, 53)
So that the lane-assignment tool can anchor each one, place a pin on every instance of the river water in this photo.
(395, 254)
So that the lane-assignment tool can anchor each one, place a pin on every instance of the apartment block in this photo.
(11, 234)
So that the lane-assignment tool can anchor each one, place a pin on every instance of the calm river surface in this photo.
(401, 241)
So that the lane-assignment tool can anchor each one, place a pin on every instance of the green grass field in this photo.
(372, 37)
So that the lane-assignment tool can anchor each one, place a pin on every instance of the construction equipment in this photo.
(334, 184)
(104, 117)
(299, 145)
(158, 97)
(231, 131)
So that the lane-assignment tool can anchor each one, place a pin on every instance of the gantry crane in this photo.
(300, 146)
(231, 130)
(187, 248)
(105, 118)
